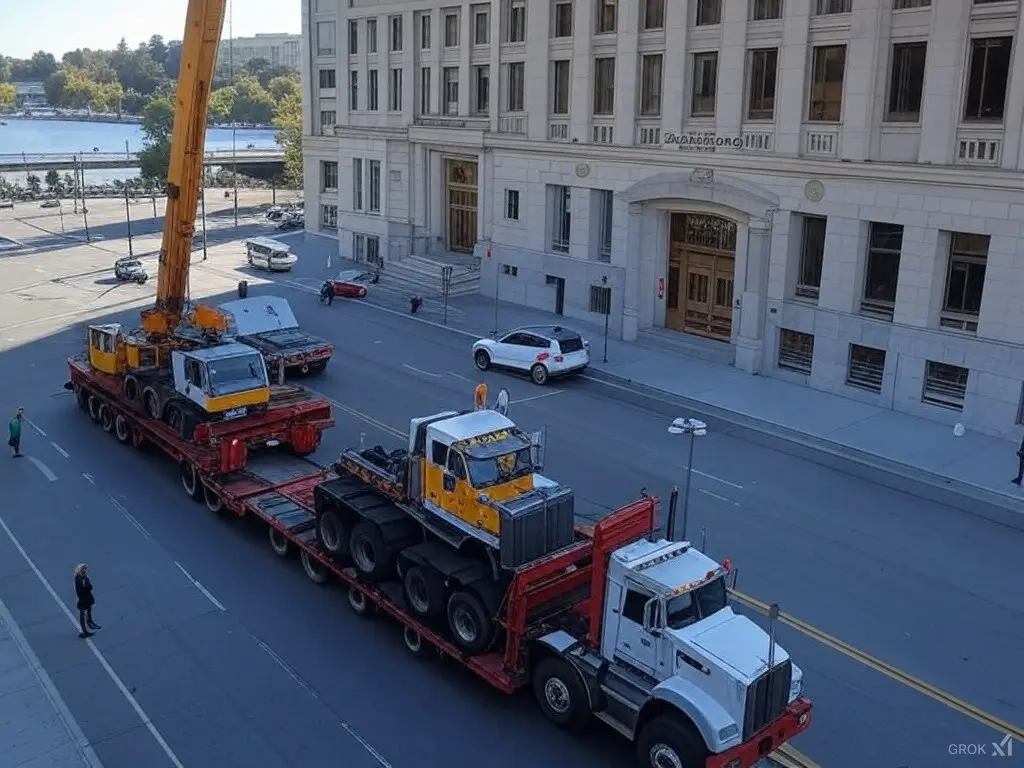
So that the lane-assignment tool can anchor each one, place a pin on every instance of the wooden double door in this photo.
(699, 292)
(461, 190)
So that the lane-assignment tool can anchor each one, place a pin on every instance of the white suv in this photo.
(543, 351)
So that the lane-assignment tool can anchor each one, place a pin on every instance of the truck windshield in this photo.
(697, 604)
(499, 469)
(236, 374)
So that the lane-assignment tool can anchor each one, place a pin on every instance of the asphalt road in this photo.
(925, 588)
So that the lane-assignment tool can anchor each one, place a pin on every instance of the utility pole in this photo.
(75, 187)
(128, 220)
(202, 203)
(85, 208)
(231, 77)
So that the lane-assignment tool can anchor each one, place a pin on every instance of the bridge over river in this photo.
(26, 162)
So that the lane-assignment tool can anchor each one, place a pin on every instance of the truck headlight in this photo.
(796, 687)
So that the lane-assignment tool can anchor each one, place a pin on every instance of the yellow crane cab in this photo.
(223, 380)
(114, 352)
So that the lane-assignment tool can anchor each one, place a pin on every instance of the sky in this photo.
(58, 26)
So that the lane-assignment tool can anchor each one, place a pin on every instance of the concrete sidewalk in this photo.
(36, 728)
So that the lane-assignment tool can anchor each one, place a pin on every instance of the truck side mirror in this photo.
(537, 449)
(449, 482)
(652, 616)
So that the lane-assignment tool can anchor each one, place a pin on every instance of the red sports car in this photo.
(351, 284)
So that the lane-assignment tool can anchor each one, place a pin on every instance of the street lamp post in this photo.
(694, 428)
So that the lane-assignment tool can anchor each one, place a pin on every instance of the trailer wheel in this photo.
(151, 401)
(82, 398)
(122, 430)
(173, 416)
(106, 418)
(190, 480)
(669, 741)
(424, 592)
(370, 553)
(304, 369)
(212, 500)
(415, 643)
(561, 694)
(94, 406)
(278, 542)
(332, 533)
(313, 568)
(131, 388)
(469, 623)
(360, 604)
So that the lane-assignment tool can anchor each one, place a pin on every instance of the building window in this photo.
(762, 10)
(601, 299)
(353, 37)
(371, 35)
(605, 209)
(329, 217)
(353, 90)
(654, 14)
(828, 66)
(512, 204)
(764, 65)
(812, 256)
(796, 351)
(563, 19)
(945, 385)
(357, 184)
(986, 83)
(395, 91)
(882, 270)
(965, 280)
(902, 5)
(425, 32)
(826, 7)
(395, 42)
(560, 87)
(607, 10)
(328, 176)
(424, 90)
(705, 84)
(325, 38)
(481, 26)
(372, 90)
(451, 90)
(328, 119)
(451, 30)
(561, 218)
(604, 86)
(516, 86)
(906, 82)
(482, 89)
(366, 248)
(373, 186)
(709, 12)
(650, 85)
(328, 78)
(866, 368)
(515, 21)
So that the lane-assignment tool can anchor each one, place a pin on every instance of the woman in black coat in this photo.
(83, 591)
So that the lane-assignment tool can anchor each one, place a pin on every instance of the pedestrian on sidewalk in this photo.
(14, 432)
(1020, 464)
(83, 591)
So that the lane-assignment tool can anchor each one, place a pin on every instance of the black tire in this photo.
(669, 740)
(332, 533)
(278, 543)
(94, 406)
(82, 398)
(106, 418)
(470, 625)
(151, 402)
(370, 553)
(360, 604)
(173, 416)
(482, 360)
(314, 569)
(539, 374)
(415, 643)
(212, 500)
(424, 592)
(187, 425)
(561, 694)
(190, 481)
(122, 429)
(131, 388)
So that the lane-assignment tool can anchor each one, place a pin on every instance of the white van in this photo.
(270, 254)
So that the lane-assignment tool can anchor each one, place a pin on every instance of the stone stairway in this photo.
(421, 275)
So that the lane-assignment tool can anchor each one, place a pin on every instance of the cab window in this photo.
(456, 465)
(633, 606)
(438, 454)
(193, 373)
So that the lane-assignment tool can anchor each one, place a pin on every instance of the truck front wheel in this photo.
(667, 741)
(561, 694)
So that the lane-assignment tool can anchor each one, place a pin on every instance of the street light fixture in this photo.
(694, 428)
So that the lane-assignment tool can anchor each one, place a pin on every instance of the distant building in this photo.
(279, 50)
(30, 95)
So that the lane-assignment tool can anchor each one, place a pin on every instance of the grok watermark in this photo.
(1003, 748)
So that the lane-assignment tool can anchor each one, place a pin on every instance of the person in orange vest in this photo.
(480, 396)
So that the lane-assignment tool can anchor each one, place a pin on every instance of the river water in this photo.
(42, 136)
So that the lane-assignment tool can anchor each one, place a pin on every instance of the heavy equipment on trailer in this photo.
(181, 368)
(268, 324)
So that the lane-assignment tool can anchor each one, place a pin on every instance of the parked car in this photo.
(291, 221)
(542, 351)
(6, 203)
(51, 203)
(130, 270)
(351, 284)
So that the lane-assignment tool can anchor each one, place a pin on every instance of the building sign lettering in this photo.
(701, 141)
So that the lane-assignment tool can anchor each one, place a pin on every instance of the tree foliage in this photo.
(6, 96)
(157, 123)
(289, 123)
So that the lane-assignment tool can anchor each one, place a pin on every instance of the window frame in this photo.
(761, 112)
(604, 92)
(561, 218)
(698, 74)
(645, 21)
(805, 289)
(900, 80)
(874, 306)
(512, 201)
(822, 116)
(651, 96)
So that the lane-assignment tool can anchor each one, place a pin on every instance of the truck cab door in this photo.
(635, 645)
(456, 484)
(193, 388)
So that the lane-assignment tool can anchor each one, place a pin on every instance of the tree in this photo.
(284, 86)
(68, 182)
(54, 87)
(288, 120)
(157, 49)
(7, 96)
(252, 103)
(157, 123)
(35, 186)
(52, 180)
(222, 104)
(172, 62)
(5, 69)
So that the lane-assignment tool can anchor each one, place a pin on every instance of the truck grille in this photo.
(767, 698)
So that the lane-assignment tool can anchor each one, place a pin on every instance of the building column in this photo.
(791, 96)
(674, 69)
(581, 97)
(627, 82)
(842, 274)
(631, 297)
(465, 71)
(731, 68)
(859, 100)
(437, 69)
(942, 102)
(751, 300)
(538, 71)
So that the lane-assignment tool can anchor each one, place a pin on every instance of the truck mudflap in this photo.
(794, 720)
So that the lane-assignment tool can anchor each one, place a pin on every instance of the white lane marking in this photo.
(287, 668)
(74, 730)
(195, 583)
(460, 376)
(47, 472)
(724, 499)
(131, 518)
(425, 373)
(34, 426)
(157, 736)
(365, 745)
(717, 479)
(536, 397)
(89, 477)
(60, 450)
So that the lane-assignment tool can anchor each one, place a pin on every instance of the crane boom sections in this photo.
(203, 23)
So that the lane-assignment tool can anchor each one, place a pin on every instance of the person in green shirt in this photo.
(14, 429)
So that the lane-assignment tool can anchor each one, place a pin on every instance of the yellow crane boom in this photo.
(203, 23)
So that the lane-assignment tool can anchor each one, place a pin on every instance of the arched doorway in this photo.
(701, 267)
